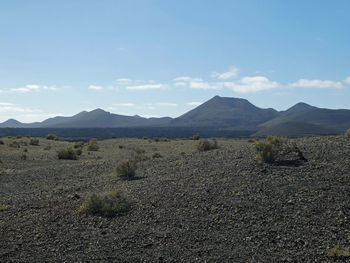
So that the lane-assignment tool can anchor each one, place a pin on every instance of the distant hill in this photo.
(225, 115)
(226, 112)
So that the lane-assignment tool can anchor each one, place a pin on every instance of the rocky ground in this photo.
(216, 206)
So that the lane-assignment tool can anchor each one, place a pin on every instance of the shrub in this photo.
(23, 157)
(267, 150)
(126, 169)
(347, 133)
(34, 142)
(120, 146)
(156, 155)
(337, 252)
(67, 154)
(1, 142)
(109, 205)
(78, 151)
(15, 144)
(3, 207)
(206, 145)
(195, 137)
(92, 145)
(52, 137)
(78, 145)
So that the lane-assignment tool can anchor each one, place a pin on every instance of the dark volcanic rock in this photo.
(215, 206)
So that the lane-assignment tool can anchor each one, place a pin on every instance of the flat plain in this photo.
(186, 206)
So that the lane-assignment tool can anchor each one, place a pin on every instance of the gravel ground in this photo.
(214, 206)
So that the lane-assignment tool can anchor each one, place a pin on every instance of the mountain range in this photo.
(219, 112)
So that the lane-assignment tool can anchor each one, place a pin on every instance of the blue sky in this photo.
(163, 58)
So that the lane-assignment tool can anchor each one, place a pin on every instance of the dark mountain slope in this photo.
(332, 120)
(225, 112)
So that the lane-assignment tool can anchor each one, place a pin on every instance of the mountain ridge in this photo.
(218, 112)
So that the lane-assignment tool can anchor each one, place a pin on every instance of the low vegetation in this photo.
(78, 145)
(67, 154)
(338, 252)
(52, 137)
(92, 145)
(347, 133)
(108, 205)
(3, 207)
(1, 142)
(195, 137)
(206, 145)
(267, 150)
(156, 155)
(34, 142)
(126, 169)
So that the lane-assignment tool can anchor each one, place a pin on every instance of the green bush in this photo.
(267, 150)
(1, 142)
(156, 155)
(338, 252)
(92, 145)
(195, 137)
(78, 151)
(108, 205)
(3, 207)
(34, 142)
(347, 133)
(78, 145)
(15, 144)
(206, 145)
(52, 137)
(67, 154)
(126, 169)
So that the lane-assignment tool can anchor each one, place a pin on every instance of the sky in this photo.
(163, 58)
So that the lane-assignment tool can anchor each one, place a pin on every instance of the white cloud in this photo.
(145, 87)
(231, 73)
(316, 83)
(124, 80)
(125, 104)
(93, 87)
(6, 104)
(194, 103)
(180, 84)
(12, 108)
(166, 104)
(32, 87)
(181, 79)
(252, 84)
(204, 85)
(347, 80)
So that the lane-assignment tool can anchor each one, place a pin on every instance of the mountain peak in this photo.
(299, 107)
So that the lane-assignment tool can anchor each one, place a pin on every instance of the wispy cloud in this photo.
(194, 103)
(125, 104)
(347, 80)
(316, 83)
(180, 84)
(94, 87)
(231, 73)
(33, 87)
(187, 79)
(145, 87)
(6, 107)
(251, 84)
(166, 104)
(204, 85)
(124, 80)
